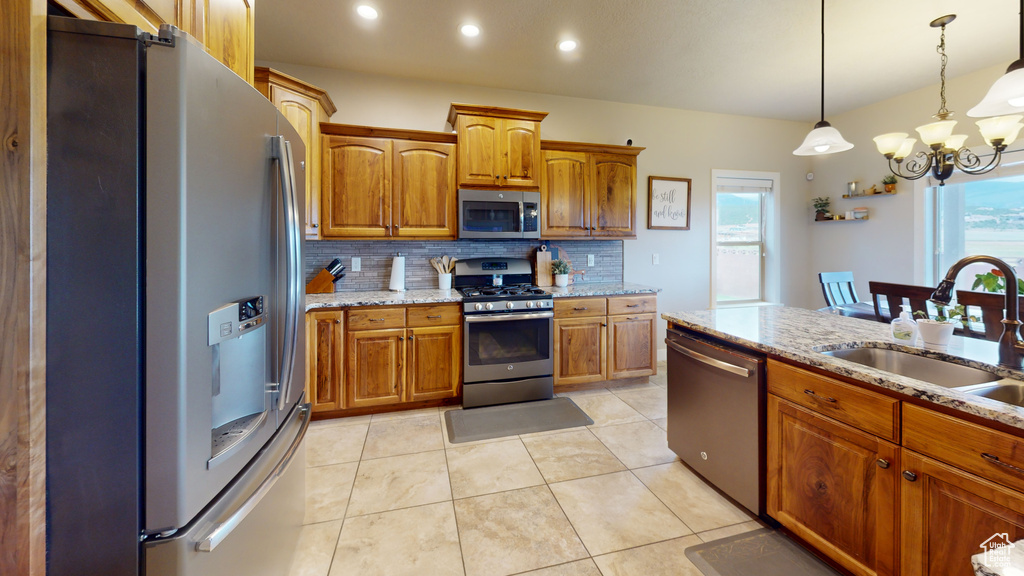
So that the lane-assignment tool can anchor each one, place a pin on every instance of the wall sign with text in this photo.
(668, 203)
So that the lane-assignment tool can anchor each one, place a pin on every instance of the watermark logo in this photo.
(997, 550)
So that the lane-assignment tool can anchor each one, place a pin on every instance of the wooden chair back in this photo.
(893, 295)
(991, 306)
(837, 288)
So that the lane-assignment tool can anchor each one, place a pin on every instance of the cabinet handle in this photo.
(376, 319)
(336, 321)
(401, 339)
(631, 305)
(882, 463)
(604, 325)
(438, 316)
(580, 309)
(995, 460)
(825, 398)
(910, 475)
(314, 225)
(410, 336)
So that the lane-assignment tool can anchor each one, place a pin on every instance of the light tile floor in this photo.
(389, 495)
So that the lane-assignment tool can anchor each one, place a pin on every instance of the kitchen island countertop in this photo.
(389, 298)
(801, 335)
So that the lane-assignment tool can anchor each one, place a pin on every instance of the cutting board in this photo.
(542, 270)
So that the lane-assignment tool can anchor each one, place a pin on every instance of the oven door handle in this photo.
(513, 316)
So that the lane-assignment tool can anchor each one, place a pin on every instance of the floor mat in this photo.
(511, 419)
(762, 552)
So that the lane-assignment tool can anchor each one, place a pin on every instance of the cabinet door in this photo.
(324, 344)
(479, 150)
(948, 515)
(374, 374)
(424, 192)
(834, 486)
(613, 195)
(520, 153)
(304, 114)
(434, 367)
(580, 350)
(631, 348)
(228, 33)
(356, 187)
(564, 209)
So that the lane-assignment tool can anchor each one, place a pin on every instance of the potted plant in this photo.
(935, 331)
(889, 182)
(561, 269)
(994, 281)
(821, 208)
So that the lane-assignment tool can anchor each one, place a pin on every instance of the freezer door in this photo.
(213, 235)
(253, 527)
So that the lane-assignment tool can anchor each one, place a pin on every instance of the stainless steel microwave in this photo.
(499, 214)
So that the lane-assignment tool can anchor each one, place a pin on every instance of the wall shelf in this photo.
(847, 196)
(844, 220)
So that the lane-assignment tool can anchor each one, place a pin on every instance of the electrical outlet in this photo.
(655, 259)
(590, 259)
(357, 264)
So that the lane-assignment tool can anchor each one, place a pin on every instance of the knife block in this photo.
(323, 283)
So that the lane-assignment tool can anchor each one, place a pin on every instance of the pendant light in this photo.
(1006, 96)
(823, 139)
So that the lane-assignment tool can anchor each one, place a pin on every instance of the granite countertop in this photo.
(389, 298)
(800, 335)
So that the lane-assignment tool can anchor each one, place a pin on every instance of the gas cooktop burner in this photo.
(502, 291)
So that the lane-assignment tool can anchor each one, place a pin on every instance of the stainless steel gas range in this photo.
(508, 353)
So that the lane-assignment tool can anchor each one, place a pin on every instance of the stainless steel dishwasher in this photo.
(716, 414)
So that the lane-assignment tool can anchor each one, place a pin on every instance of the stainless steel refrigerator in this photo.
(174, 398)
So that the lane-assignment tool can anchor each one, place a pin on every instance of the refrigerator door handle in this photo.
(282, 152)
(222, 530)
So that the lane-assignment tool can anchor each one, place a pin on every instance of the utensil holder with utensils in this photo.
(444, 266)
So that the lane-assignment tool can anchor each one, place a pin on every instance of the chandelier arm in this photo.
(915, 168)
(969, 163)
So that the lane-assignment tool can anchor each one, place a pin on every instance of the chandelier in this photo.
(947, 150)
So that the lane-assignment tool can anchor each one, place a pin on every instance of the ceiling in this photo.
(747, 57)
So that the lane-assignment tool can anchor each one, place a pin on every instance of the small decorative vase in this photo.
(890, 188)
(934, 334)
(819, 216)
(561, 280)
(444, 281)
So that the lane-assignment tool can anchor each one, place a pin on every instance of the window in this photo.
(743, 257)
(970, 217)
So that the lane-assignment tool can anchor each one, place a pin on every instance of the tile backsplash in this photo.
(377, 255)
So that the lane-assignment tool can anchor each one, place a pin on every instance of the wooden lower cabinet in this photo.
(325, 342)
(948, 514)
(375, 371)
(631, 346)
(581, 350)
(833, 486)
(434, 363)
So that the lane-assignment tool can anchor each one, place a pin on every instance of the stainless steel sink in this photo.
(930, 370)
(1008, 391)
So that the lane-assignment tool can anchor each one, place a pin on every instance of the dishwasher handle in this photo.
(731, 368)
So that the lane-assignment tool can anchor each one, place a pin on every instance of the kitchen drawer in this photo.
(375, 318)
(632, 305)
(989, 453)
(871, 412)
(579, 307)
(442, 315)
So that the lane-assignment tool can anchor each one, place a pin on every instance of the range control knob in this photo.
(478, 306)
(510, 305)
(489, 306)
(529, 304)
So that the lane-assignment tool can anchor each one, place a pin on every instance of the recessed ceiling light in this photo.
(567, 45)
(470, 30)
(367, 12)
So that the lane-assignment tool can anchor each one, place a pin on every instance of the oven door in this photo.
(490, 214)
(508, 346)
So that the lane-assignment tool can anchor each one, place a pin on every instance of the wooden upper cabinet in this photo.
(324, 341)
(498, 147)
(563, 194)
(424, 191)
(588, 190)
(356, 187)
(834, 486)
(229, 33)
(305, 106)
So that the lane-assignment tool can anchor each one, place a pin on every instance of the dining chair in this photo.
(837, 288)
(991, 305)
(888, 297)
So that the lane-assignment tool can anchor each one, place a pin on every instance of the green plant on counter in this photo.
(957, 312)
(821, 204)
(889, 179)
(560, 267)
(995, 282)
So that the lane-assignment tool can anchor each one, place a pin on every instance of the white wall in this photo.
(678, 143)
(883, 248)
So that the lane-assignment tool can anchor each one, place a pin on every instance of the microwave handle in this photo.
(522, 215)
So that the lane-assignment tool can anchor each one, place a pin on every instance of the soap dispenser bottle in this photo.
(904, 329)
